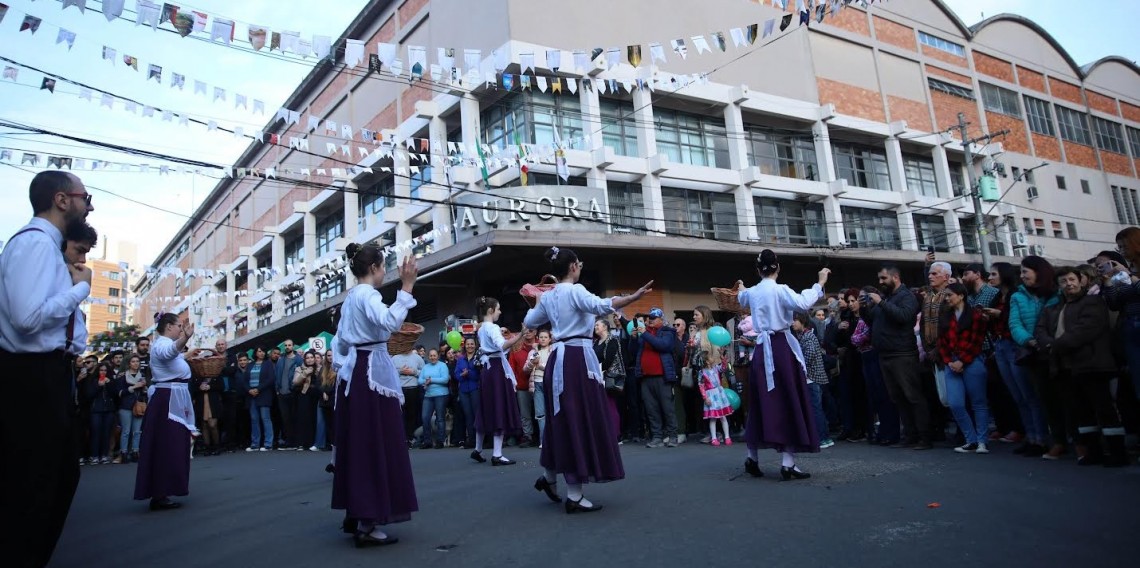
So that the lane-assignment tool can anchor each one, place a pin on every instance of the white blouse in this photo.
(167, 365)
(491, 342)
(772, 308)
(570, 310)
(366, 323)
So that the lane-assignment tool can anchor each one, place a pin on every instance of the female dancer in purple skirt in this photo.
(372, 478)
(779, 402)
(164, 449)
(498, 411)
(579, 441)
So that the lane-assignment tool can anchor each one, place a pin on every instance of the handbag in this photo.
(139, 408)
(687, 377)
(531, 292)
(615, 375)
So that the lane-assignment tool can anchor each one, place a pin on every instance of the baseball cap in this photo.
(656, 313)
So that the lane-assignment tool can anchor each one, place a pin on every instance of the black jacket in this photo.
(892, 323)
(1085, 349)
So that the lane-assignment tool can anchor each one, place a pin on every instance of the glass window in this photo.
(1061, 182)
(1074, 126)
(862, 166)
(782, 154)
(113, 292)
(423, 248)
(969, 234)
(111, 325)
(1109, 136)
(871, 228)
(950, 88)
(387, 239)
(113, 309)
(1085, 186)
(531, 117)
(931, 230)
(619, 129)
(1127, 204)
(1072, 229)
(939, 43)
(920, 175)
(1134, 141)
(699, 213)
(115, 276)
(418, 179)
(294, 302)
(295, 250)
(691, 139)
(627, 207)
(784, 221)
(373, 199)
(957, 179)
(1001, 100)
(328, 231)
(330, 288)
(1040, 120)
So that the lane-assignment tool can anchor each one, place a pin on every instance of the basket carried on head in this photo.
(208, 367)
(404, 340)
(531, 292)
(726, 299)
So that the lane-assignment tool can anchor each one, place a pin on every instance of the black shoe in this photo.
(364, 540)
(923, 446)
(752, 468)
(330, 468)
(163, 504)
(438, 445)
(1020, 450)
(478, 456)
(548, 488)
(349, 526)
(500, 460)
(790, 473)
(1034, 451)
(577, 506)
(425, 446)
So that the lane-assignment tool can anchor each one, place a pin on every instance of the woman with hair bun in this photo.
(498, 410)
(579, 441)
(780, 410)
(372, 477)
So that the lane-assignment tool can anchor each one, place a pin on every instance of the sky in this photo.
(149, 208)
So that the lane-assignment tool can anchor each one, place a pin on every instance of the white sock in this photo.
(498, 446)
(332, 458)
(550, 476)
(788, 459)
(478, 442)
(373, 530)
(574, 493)
(724, 426)
(712, 428)
(752, 454)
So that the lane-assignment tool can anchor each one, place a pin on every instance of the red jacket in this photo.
(517, 359)
(963, 337)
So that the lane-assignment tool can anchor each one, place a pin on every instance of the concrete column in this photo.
(942, 173)
(833, 216)
(738, 160)
(898, 185)
(403, 189)
(310, 227)
(251, 289)
(440, 213)
(592, 128)
(471, 127)
(277, 261)
(825, 173)
(229, 300)
(351, 211)
(643, 118)
(954, 236)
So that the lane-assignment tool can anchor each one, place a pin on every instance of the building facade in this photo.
(108, 306)
(832, 143)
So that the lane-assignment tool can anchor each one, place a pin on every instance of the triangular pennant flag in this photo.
(257, 36)
(633, 54)
(81, 4)
(701, 44)
(48, 84)
(718, 39)
(31, 24)
(738, 39)
(177, 80)
(109, 54)
(679, 47)
(656, 53)
(65, 36)
(785, 22)
(613, 57)
(154, 72)
(526, 62)
(223, 30)
(556, 85)
(353, 52)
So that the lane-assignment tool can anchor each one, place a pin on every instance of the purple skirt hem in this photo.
(580, 442)
(782, 419)
(164, 452)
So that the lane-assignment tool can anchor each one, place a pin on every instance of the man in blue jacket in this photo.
(655, 368)
(286, 405)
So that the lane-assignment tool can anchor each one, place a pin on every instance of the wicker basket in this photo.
(726, 299)
(404, 340)
(532, 292)
(208, 367)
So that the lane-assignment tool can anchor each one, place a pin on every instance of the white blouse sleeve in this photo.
(163, 349)
(536, 317)
(495, 334)
(802, 301)
(389, 318)
(584, 301)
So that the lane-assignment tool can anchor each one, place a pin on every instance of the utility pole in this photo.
(975, 194)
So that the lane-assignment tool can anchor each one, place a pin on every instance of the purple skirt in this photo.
(373, 480)
(498, 410)
(580, 441)
(781, 419)
(164, 452)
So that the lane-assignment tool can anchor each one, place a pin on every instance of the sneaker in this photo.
(119, 459)
(1055, 452)
(966, 449)
(826, 444)
(655, 443)
(263, 450)
(314, 449)
(728, 440)
(104, 460)
(669, 443)
(681, 438)
(82, 461)
(982, 449)
(857, 437)
(251, 449)
(707, 440)
(715, 442)
(1012, 438)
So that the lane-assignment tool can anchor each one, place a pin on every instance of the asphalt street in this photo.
(685, 506)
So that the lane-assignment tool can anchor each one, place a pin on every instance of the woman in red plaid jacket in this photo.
(962, 331)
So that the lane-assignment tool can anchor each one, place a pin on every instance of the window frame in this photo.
(329, 230)
(782, 154)
(374, 199)
(1062, 184)
(533, 116)
(619, 128)
(859, 158)
(1086, 188)
(861, 219)
(951, 89)
(929, 234)
(790, 222)
(1133, 140)
(1078, 133)
(998, 99)
(941, 44)
(689, 138)
(1109, 136)
(1033, 108)
(704, 214)
(919, 175)
(295, 250)
(626, 203)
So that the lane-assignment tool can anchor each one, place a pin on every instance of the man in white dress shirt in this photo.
(40, 295)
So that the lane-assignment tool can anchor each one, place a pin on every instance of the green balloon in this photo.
(454, 340)
(733, 399)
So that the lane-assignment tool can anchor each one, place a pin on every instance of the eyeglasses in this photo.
(86, 196)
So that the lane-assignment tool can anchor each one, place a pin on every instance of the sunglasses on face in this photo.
(86, 196)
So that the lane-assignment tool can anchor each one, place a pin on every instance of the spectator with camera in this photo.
(892, 316)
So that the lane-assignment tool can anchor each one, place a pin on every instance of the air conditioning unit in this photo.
(1019, 239)
(1031, 192)
(1037, 250)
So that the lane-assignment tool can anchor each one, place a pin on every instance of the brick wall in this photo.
(1046, 147)
(1131, 112)
(915, 113)
(994, 67)
(851, 100)
(1031, 79)
(384, 120)
(418, 91)
(1065, 91)
(1102, 103)
(935, 53)
(852, 20)
(330, 94)
(947, 107)
(1017, 140)
(944, 74)
(1117, 163)
(1081, 155)
(409, 9)
(895, 34)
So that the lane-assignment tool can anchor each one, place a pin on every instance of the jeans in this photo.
(817, 409)
(540, 410)
(903, 376)
(101, 424)
(434, 405)
(659, 407)
(526, 412)
(260, 426)
(470, 402)
(878, 401)
(1020, 385)
(972, 382)
(131, 427)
